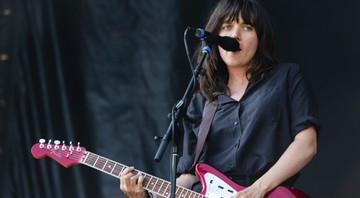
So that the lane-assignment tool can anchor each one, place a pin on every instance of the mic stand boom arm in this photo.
(176, 115)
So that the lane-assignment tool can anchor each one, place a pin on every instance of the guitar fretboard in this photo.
(159, 186)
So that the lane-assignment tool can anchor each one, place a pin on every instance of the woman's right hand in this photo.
(132, 185)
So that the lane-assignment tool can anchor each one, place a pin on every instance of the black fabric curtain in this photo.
(103, 73)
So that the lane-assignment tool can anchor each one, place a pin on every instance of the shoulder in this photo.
(287, 70)
(287, 67)
(196, 105)
(197, 99)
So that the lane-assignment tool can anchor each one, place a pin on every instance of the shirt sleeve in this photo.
(191, 123)
(303, 108)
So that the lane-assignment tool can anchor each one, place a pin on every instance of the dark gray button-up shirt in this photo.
(248, 136)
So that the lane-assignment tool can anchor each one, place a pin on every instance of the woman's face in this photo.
(246, 35)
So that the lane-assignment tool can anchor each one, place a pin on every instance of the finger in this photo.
(127, 171)
(126, 175)
(134, 180)
(125, 182)
(141, 180)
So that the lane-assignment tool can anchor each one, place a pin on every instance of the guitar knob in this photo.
(49, 145)
(56, 142)
(63, 146)
(78, 149)
(42, 141)
(71, 148)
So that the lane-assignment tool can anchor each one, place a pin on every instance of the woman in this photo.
(264, 130)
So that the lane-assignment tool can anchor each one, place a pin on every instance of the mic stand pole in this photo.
(176, 113)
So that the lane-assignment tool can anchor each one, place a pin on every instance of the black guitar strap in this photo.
(208, 115)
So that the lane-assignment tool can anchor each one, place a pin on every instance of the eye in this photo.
(226, 26)
(248, 28)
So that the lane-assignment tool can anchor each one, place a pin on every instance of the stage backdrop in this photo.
(107, 74)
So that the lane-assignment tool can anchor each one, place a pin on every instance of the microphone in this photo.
(227, 43)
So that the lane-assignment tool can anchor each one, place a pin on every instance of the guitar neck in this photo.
(151, 183)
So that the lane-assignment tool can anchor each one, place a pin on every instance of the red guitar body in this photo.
(216, 184)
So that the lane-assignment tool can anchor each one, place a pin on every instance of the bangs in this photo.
(233, 9)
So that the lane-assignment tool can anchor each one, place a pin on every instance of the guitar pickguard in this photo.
(217, 188)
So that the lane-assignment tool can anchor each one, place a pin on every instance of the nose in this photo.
(236, 33)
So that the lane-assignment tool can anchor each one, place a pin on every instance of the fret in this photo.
(155, 188)
(94, 165)
(90, 160)
(179, 191)
(109, 166)
(100, 163)
(176, 190)
(196, 195)
(157, 185)
(117, 170)
(186, 192)
(85, 158)
(160, 187)
(122, 169)
(193, 194)
(113, 168)
(189, 194)
(147, 182)
(167, 190)
(151, 184)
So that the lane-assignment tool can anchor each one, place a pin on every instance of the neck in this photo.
(237, 76)
(237, 83)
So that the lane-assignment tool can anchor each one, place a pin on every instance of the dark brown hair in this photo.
(214, 82)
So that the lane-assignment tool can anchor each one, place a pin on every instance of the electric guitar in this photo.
(215, 184)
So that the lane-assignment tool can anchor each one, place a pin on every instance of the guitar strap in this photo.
(208, 115)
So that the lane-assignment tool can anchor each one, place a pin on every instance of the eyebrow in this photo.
(242, 22)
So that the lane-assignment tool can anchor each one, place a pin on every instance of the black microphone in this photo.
(227, 43)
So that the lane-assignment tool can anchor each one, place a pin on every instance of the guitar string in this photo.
(79, 155)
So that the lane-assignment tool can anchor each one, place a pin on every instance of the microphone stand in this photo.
(176, 114)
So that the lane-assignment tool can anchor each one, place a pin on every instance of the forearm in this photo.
(296, 156)
(185, 180)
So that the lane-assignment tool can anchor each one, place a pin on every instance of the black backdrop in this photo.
(107, 73)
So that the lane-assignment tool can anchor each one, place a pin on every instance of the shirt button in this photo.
(236, 123)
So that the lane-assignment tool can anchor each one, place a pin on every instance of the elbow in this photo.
(313, 144)
(307, 142)
(313, 151)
